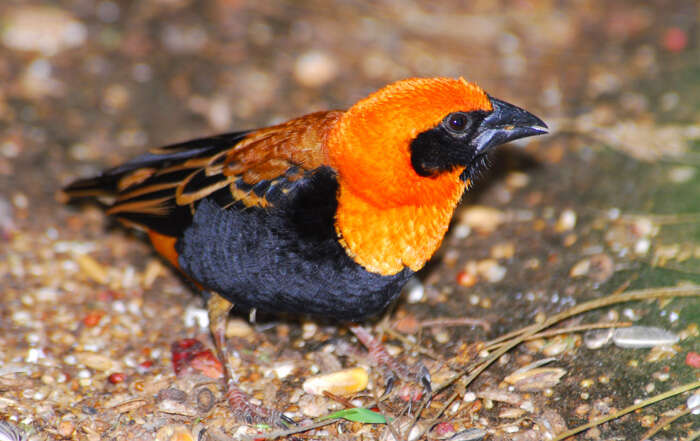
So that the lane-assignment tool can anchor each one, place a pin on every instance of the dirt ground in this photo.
(609, 202)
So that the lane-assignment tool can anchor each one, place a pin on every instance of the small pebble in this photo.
(490, 270)
(442, 336)
(643, 337)
(237, 327)
(517, 179)
(503, 250)
(315, 68)
(343, 382)
(692, 359)
(642, 246)
(313, 405)
(95, 361)
(444, 429)
(415, 291)
(534, 380)
(461, 231)
(580, 269)
(558, 344)
(566, 221)
(93, 269)
(43, 29)
(117, 378)
(466, 278)
(66, 428)
(648, 420)
(283, 369)
(693, 403)
(308, 330)
(482, 218)
(197, 317)
(681, 174)
(597, 338)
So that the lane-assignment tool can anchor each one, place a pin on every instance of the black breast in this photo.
(284, 258)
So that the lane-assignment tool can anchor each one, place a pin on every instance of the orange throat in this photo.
(385, 240)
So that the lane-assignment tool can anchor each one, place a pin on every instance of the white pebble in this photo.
(315, 68)
(461, 231)
(681, 174)
(642, 247)
(694, 403)
(34, 354)
(119, 307)
(415, 291)
(597, 338)
(283, 370)
(567, 221)
(196, 317)
(673, 316)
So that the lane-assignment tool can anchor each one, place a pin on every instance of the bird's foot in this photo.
(251, 413)
(393, 369)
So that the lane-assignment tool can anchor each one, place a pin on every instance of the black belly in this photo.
(285, 258)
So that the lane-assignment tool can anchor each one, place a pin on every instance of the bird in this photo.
(327, 215)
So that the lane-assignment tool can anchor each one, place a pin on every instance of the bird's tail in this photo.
(117, 179)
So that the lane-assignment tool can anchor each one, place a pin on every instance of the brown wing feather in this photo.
(161, 195)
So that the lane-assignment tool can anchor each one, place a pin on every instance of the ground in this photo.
(609, 202)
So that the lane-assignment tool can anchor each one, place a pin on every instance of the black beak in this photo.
(506, 123)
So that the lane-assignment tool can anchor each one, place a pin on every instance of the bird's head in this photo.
(415, 140)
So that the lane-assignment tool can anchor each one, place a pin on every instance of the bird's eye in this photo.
(457, 121)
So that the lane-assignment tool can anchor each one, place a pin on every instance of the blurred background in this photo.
(610, 198)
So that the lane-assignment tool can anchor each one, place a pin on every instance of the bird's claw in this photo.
(252, 413)
(424, 379)
(389, 383)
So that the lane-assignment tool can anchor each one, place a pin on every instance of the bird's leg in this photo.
(239, 401)
(379, 355)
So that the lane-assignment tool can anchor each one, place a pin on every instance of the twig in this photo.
(342, 400)
(524, 330)
(626, 410)
(461, 321)
(642, 294)
(568, 330)
(663, 423)
(281, 433)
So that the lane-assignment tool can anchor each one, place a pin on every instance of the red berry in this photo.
(693, 360)
(117, 377)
